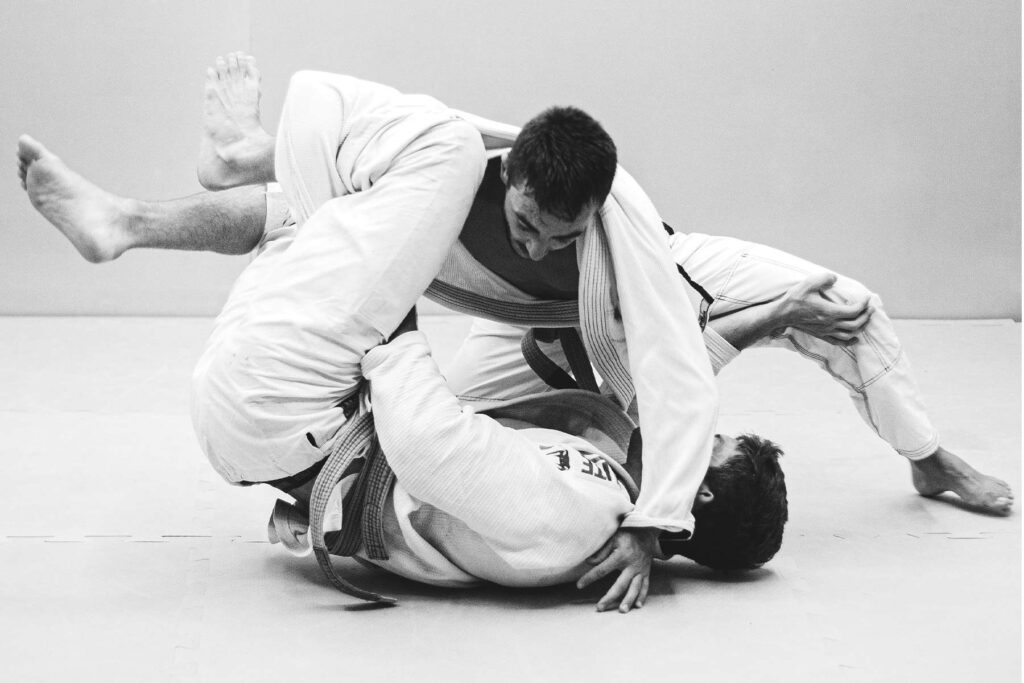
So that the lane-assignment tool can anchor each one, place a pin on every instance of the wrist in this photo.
(778, 317)
(647, 536)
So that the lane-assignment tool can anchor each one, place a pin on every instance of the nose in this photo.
(536, 250)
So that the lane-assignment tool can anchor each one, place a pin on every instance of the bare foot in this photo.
(234, 149)
(943, 471)
(95, 221)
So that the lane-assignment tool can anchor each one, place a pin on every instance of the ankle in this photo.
(139, 215)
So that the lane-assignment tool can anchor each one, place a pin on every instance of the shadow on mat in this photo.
(674, 577)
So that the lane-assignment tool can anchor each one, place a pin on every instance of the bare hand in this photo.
(812, 308)
(631, 551)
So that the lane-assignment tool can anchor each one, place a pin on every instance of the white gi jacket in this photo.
(481, 498)
(632, 311)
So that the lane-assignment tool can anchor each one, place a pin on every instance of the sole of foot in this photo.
(234, 148)
(96, 222)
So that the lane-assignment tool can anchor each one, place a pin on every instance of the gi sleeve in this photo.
(465, 464)
(676, 395)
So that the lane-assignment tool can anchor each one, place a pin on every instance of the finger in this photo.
(845, 312)
(816, 282)
(856, 324)
(826, 335)
(632, 595)
(599, 572)
(614, 593)
(602, 553)
(861, 304)
(843, 330)
(840, 342)
(645, 586)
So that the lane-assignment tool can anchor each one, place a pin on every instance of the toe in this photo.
(249, 66)
(222, 68)
(30, 149)
(233, 63)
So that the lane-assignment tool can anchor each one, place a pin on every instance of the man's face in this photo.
(534, 233)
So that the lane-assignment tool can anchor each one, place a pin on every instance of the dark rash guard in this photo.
(486, 236)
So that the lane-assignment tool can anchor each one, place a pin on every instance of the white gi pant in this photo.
(737, 274)
(475, 499)
(379, 185)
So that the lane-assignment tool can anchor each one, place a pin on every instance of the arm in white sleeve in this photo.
(465, 464)
(676, 394)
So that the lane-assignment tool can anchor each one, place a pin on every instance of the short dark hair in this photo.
(565, 161)
(741, 528)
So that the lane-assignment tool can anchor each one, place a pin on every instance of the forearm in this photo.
(675, 390)
(747, 326)
(226, 222)
(457, 461)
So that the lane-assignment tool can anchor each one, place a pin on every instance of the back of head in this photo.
(564, 160)
(741, 528)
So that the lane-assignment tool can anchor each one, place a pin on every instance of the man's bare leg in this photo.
(944, 471)
(234, 149)
(102, 226)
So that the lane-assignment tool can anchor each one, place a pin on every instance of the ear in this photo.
(704, 496)
(504, 169)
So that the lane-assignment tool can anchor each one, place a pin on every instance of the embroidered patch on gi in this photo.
(594, 467)
(563, 458)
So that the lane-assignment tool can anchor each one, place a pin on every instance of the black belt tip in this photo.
(367, 606)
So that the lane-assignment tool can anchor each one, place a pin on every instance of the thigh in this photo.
(737, 273)
(490, 365)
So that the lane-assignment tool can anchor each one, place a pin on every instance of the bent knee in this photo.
(851, 290)
(308, 81)
(459, 140)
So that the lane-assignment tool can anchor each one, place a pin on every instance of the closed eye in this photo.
(526, 227)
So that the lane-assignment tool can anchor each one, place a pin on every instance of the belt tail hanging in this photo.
(549, 371)
(358, 436)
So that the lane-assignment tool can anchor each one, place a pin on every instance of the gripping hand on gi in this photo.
(631, 551)
(812, 308)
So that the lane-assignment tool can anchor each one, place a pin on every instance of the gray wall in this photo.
(881, 139)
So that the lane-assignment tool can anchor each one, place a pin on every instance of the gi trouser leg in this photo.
(875, 370)
(379, 184)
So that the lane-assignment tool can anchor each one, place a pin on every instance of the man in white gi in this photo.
(525, 494)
